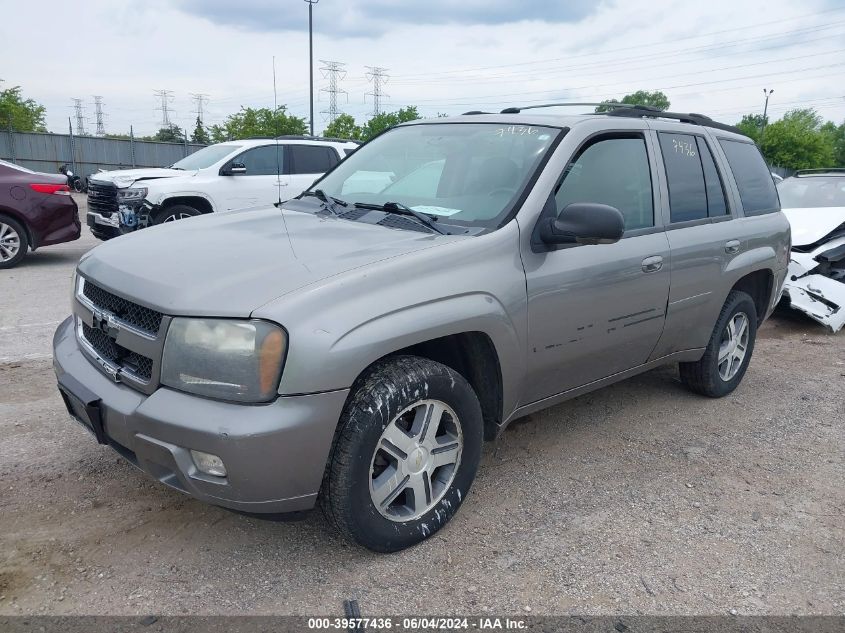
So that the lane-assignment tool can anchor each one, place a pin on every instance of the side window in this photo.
(262, 161)
(685, 176)
(753, 179)
(716, 204)
(312, 159)
(611, 171)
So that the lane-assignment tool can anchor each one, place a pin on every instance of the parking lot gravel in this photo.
(640, 498)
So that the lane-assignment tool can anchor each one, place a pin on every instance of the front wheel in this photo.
(728, 352)
(405, 454)
(175, 212)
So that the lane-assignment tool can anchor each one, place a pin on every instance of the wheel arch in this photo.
(200, 203)
(18, 217)
(759, 285)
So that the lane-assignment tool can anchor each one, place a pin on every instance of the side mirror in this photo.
(234, 169)
(584, 223)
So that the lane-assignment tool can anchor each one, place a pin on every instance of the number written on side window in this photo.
(695, 189)
(683, 147)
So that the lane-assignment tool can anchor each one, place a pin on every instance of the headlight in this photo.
(131, 194)
(224, 358)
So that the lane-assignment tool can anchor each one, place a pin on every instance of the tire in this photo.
(175, 212)
(395, 399)
(710, 377)
(77, 185)
(14, 242)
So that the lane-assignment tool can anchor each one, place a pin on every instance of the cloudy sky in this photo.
(444, 56)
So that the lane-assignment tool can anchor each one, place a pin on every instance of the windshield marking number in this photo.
(518, 130)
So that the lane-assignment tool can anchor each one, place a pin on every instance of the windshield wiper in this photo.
(329, 203)
(402, 209)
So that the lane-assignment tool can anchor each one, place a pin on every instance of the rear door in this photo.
(596, 310)
(703, 235)
(307, 163)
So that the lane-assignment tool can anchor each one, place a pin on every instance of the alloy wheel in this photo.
(733, 346)
(177, 216)
(10, 242)
(416, 460)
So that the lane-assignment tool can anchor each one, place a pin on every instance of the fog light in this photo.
(209, 464)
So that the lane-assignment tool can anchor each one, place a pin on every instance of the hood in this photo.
(231, 263)
(812, 224)
(126, 177)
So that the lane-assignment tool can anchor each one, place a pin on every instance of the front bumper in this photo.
(274, 454)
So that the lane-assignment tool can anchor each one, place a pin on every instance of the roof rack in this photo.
(819, 172)
(688, 117)
(518, 109)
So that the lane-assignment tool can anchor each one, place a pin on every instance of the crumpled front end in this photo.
(815, 283)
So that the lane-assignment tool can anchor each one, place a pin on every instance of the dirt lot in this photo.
(641, 498)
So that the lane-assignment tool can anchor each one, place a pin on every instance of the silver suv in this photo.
(355, 345)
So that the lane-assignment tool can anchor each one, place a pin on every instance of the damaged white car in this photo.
(814, 202)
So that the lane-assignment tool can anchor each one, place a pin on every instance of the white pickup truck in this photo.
(230, 175)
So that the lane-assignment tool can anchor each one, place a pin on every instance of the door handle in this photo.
(732, 247)
(652, 264)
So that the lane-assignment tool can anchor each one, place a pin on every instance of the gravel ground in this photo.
(641, 498)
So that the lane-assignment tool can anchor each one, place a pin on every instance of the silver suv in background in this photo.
(447, 278)
(231, 175)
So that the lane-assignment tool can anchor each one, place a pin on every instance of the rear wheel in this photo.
(175, 212)
(728, 352)
(405, 454)
(14, 242)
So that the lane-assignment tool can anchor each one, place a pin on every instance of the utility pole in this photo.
(79, 111)
(311, 4)
(98, 113)
(200, 99)
(166, 97)
(378, 76)
(334, 72)
(765, 108)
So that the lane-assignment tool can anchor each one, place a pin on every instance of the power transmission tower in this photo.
(334, 72)
(378, 76)
(166, 97)
(98, 113)
(200, 99)
(79, 111)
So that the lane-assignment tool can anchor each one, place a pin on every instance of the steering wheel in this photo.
(498, 190)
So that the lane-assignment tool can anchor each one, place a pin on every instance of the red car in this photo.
(35, 210)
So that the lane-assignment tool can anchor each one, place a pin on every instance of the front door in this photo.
(596, 310)
(260, 184)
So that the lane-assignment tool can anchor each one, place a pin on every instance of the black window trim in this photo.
(671, 226)
(592, 139)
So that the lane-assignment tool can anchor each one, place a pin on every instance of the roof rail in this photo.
(303, 137)
(819, 172)
(475, 112)
(518, 109)
(689, 117)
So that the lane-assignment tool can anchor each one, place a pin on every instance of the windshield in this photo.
(463, 173)
(812, 191)
(205, 157)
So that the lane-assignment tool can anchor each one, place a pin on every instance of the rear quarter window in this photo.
(753, 179)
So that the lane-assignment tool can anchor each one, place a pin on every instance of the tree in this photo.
(172, 134)
(200, 134)
(836, 136)
(384, 120)
(751, 125)
(252, 122)
(654, 99)
(22, 115)
(797, 141)
(343, 126)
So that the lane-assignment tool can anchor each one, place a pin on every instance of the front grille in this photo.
(107, 349)
(102, 198)
(144, 319)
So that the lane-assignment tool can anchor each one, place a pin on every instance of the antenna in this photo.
(278, 150)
